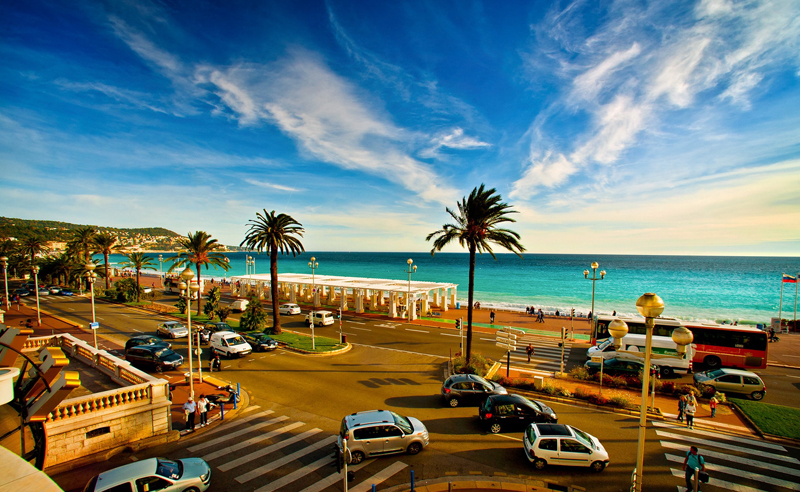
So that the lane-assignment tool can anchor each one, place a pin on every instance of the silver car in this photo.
(172, 329)
(731, 381)
(154, 474)
(378, 432)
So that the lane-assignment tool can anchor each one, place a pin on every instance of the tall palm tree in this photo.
(138, 261)
(82, 242)
(274, 233)
(476, 228)
(105, 243)
(31, 246)
(200, 250)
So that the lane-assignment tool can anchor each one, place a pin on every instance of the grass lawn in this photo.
(771, 419)
(303, 342)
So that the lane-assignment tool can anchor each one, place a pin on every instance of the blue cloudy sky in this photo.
(631, 127)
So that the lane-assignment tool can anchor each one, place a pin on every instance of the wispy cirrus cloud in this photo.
(273, 186)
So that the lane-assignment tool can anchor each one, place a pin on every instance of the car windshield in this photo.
(584, 438)
(715, 374)
(237, 340)
(535, 406)
(169, 469)
(403, 423)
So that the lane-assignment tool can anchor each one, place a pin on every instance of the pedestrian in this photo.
(19, 302)
(29, 323)
(557, 314)
(189, 408)
(690, 409)
(529, 351)
(713, 405)
(202, 407)
(681, 407)
(693, 460)
(491, 317)
(215, 363)
(527, 310)
(614, 313)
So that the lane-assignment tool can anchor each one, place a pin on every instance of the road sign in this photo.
(507, 346)
(597, 359)
(513, 331)
(94, 325)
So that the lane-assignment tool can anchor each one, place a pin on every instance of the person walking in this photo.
(491, 317)
(202, 407)
(214, 363)
(529, 351)
(190, 407)
(693, 460)
(681, 407)
(713, 404)
(690, 409)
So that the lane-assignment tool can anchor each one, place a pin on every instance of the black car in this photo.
(22, 292)
(507, 412)
(469, 389)
(618, 367)
(138, 340)
(216, 326)
(154, 357)
(261, 342)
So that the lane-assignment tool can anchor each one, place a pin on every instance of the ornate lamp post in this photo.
(160, 271)
(186, 286)
(313, 265)
(594, 279)
(92, 277)
(36, 281)
(409, 307)
(4, 263)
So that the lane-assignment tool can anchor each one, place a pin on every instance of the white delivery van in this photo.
(229, 344)
(239, 305)
(320, 318)
(664, 352)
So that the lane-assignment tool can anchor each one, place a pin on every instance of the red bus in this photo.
(715, 345)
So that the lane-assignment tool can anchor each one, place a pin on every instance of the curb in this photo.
(495, 482)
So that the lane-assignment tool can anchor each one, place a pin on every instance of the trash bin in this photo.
(458, 305)
(188, 377)
(344, 338)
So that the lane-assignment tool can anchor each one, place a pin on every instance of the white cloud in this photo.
(549, 171)
(264, 184)
(588, 84)
(455, 139)
(615, 130)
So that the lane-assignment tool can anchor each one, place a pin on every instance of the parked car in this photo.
(154, 474)
(320, 318)
(619, 367)
(172, 329)
(731, 381)
(379, 432)
(559, 444)
(508, 412)
(261, 342)
(154, 357)
(289, 309)
(54, 289)
(229, 344)
(469, 389)
(66, 292)
(239, 305)
(137, 340)
(44, 291)
(22, 292)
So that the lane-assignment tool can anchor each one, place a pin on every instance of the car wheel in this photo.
(712, 362)
(666, 371)
(453, 402)
(495, 427)
(757, 395)
(539, 464)
(191, 489)
(356, 457)
(598, 466)
(414, 448)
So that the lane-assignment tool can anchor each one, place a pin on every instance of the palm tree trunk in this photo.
(273, 275)
(199, 291)
(469, 302)
(137, 286)
(105, 258)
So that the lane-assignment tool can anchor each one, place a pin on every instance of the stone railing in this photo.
(75, 407)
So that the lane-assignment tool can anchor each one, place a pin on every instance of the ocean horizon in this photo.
(745, 289)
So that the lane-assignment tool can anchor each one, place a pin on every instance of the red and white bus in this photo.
(715, 345)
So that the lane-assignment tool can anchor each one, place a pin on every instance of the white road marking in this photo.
(253, 440)
(238, 433)
(403, 351)
(238, 421)
(267, 450)
(418, 331)
(714, 444)
(140, 331)
(287, 459)
(449, 335)
(357, 328)
(287, 479)
(733, 458)
(718, 483)
(356, 322)
(736, 439)
(388, 326)
(379, 477)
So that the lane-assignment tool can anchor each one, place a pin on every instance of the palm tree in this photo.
(31, 246)
(476, 228)
(200, 250)
(274, 233)
(83, 241)
(138, 261)
(105, 243)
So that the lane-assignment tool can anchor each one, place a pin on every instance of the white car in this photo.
(560, 444)
(289, 309)
(239, 305)
(320, 318)
(172, 329)
(154, 474)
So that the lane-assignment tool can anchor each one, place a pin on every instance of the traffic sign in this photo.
(507, 346)
(513, 331)
(94, 325)
(597, 359)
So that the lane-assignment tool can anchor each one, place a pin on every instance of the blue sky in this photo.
(623, 127)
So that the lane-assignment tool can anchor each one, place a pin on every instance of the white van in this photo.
(320, 318)
(664, 352)
(229, 344)
(239, 305)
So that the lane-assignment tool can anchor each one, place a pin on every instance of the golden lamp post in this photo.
(408, 297)
(593, 278)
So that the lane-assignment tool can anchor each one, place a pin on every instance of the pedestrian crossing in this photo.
(732, 462)
(546, 358)
(264, 452)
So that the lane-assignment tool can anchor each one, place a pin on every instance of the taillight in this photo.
(447, 390)
(488, 415)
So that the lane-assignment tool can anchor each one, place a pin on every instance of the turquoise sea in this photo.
(712, 288)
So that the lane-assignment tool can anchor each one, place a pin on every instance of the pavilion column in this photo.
(316, 295)
(436, 298)
(331, 294)
(374, 302)
(343, 299)
(452, 297)
(292, 293)
(392, 305)
(381, 298)
(359, 295)
(424, 305)
(412, 305)
(268, 295)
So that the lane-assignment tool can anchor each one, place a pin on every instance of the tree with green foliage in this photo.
(30, 247)
(212, 302)
(138, 261)
(274, 233)
(126, 290)
(181, 305)
(223, 312)
(105, 243)
(199, 250)
(254, 317)
(476, 228)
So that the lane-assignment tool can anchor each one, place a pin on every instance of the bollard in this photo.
(236, 398)
(222, 411)
(373, 487)
(412, 480)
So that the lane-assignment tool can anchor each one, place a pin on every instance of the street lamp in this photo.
(313, 265)
(160, 271)
(36, 281)
(408, 297)
(91, 277)
(187, 275)
(4, 263)
(593, 279)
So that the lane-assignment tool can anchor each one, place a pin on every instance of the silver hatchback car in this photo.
(731, 381)
(379, 432)
(154, 474)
